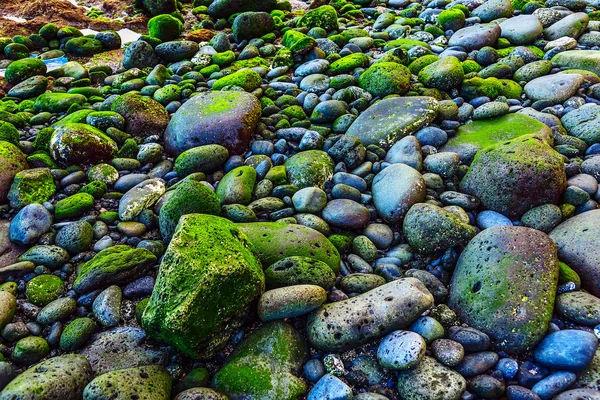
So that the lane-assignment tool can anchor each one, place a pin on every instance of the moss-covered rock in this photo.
(266, 365)
(247, 79)
(114, 265)
(143, 116)
(385, 78)
(322, 17)
(165, 27)
(18, 71)
(57, 102)
(490, 87)
(9, 133)
(225, 8)
(83, 46)
(348, 63)
(514, 176)
(44, 289)
(297, 270)
(275, 241)
(190, 197)
(237, 186)
(205, 159)
(81, 144)
(152, 382)
(31, 186)
(157, 7)
(77, 333)
(588, 60)
(206, 282)
(298, 42)
(309, 168)
(451, 19)
(504, 285)
(13, 161)
(251, 25)
(73, 206)
(444, 74)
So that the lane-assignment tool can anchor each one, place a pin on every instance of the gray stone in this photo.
(395, 189)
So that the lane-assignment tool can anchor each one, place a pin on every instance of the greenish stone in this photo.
(274, 241)
(114, 265)
(57, 102)
(451, 19)
(30, 350)
(211, 264)
(444, 74)
(51, 256)
(18, 71)
(490, 87)
(95, 188)
(152, 382)
(77, 333)
(73, 206)
(385, 78)
(359, 283)
(9, 133)
(44, 289)
(246, 78)
(31, 186)
(207, 159)
(324, 17)
(8, 306)
(297, 42)
(83, 46)
(298, 270)
(165, 27)
(309, 168)
(189, 197)
(349, 63)
(266, 365)
(588, 60)
(58, 310)
(104, 173)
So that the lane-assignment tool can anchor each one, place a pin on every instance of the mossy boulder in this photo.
(444, 74)
(73, 206)
(298, 42)
(31, 186)
(18, 71)
(83, 46)
(504, 284)
(225, 8)
(225, 118)
(349, 63)
(247, 79)
(190, 197)
(451, 19)
(274, 241)
(81, 144)
(62, 377)
(251, 25)
(57, 102)
(207, 280)
(515, 176)
(237, 186)
(165, 27)
(205, 159)
(588, 60)
(13, 161)
(321, 17)
(77, 333)
(490, 87)
(309, 168)
(474, 136)
(298, 270)
(143, 116)
(157, 7)
(385, 78)
(9, 133)
(118, 264)
(266, 365)
(151, 382)
(44, 289)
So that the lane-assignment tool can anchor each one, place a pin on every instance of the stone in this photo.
(20, 70)
(200, 316)
(401, 350)
(522, 29)
(266, 364)
(391, 119)
(8, 307)
(225, 8)
(297, 270)
(324, 17)
(57, 102)
(493, 9)
(144, 116)
(151, 382)
(514, 176)
(237, 186)
(81, 144)
(577, 243)
(251, 25)
(572, 25)
(395, 190)
(30, 224)
(567, 350)
(504, 285)
(431, 380)
(588, 60)
(61, 377)
(309, 168)
(378, 312)
(581, 122)
(140, 197)
(555, 88)
(580, 307)
(225, 118)
(13, 161)
(30, 87)
(443, 74)
(34, 185)
(475, 37)
(290, 302)
(330, 387)
(385, 78)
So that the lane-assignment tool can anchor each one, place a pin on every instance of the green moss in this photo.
(44, 289)
(567, 274)
(451, 19)
(73, 206)
(405, 44)
(469, 66)
(505, 52)
(31, 186)
(30, 350)
(223, 59)
(18, 71)
(247, 79)
(9, 133)
(165, 27)
(95, 188)
(324, 17)
(385, 78)
(76, 334)
(83, 46)
(298, 42)
(349, 63)
(417, 65)
(250, 63)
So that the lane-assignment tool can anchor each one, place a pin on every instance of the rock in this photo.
(431, 380)
(504, 285)
(576, 240)
(588, 60)
(395, 189)
(250, 25)
(120, 348)
(225, 8)
(114, 265)
(406, 151)
(274, 241)
(83, 46)
(391, 119)
(378, 312)
(139, 54)
(265, 365)
(198, 249)
(522, 29)
(555, 88)
(8, 307)
(57, 102)
(151, 382)
(30, 224)
(475, 37)
(106, 307)
(401, 350)
(176, 50)
(309, 168)
(144, 116)
(324, 17)
(567, 350)
(515, 176)
(225, 118)
(164, 27)
(34, 185)
(572, 25)
(580, 307)
(73, 206)
(298, 270)
(140, 197)
(575, 394)
(156, 7)
(493, 9)
(237, 186)
(581, 122)
(200, 394)
(330, 387)
(290, 302)
(346, 214)
(443, 74)
(385, 78)
(20, 70)
(429, 228)
(61, 377)
(13, 161)
(30, 87)
(81, 144)
(247, 79)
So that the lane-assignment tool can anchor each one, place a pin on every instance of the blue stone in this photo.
(487, 219)
(570, 350)
(330, 387)
(554, 384)
(508, 367)
(314, 370)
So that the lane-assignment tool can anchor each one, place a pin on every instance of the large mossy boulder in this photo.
(207, 280)
(474, 136)
(225, 8)
(385, 78)
(251, 25)
(578, 243)
(83, 46)
(443, 74)
(274, 241)
(81, 144)
(18, 71)
(62, 377)
(588, 60)
(118, 264)
(152, 382)
(165, 27)
(13, 161)
(30, 186)
(266, 365)
(225, 118)
(504, 284)
(309, 168)
(157, 7)
(143, 116)
(389, 120)
(515, 176)
(322, 17)
(57, 102)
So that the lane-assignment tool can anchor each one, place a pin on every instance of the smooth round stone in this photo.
(126, 182)
(520, 393)
(477, 363)
(554, 88)
(380, 234)
(431, 136)
(522, 29)
(579, 394)
(131, 228)
(567, 350)
(476, 36)
(75, 237)
(30, 224)
(553, 384)
(486, 387)
(58, 310)
(346, 214)
(487, 219)
(493, 109)
(330, 387)
(508, 367)
(315, 83)
(580, 307)
(444, 164)
(543, 218)
(395, 189)
(448, 352)
(406, 151)
(314, 370)
(318, 66)
(107, 307)
(401, 350)
(309, 200)
(429, 328)
(290, 302)
(585, 182)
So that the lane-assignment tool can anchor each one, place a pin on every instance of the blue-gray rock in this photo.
(395, 189)
(30, 224)
(330, 387)
(567, 350)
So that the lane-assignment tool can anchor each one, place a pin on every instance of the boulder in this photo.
(143, 116)
(13, 161)
(81, 144)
